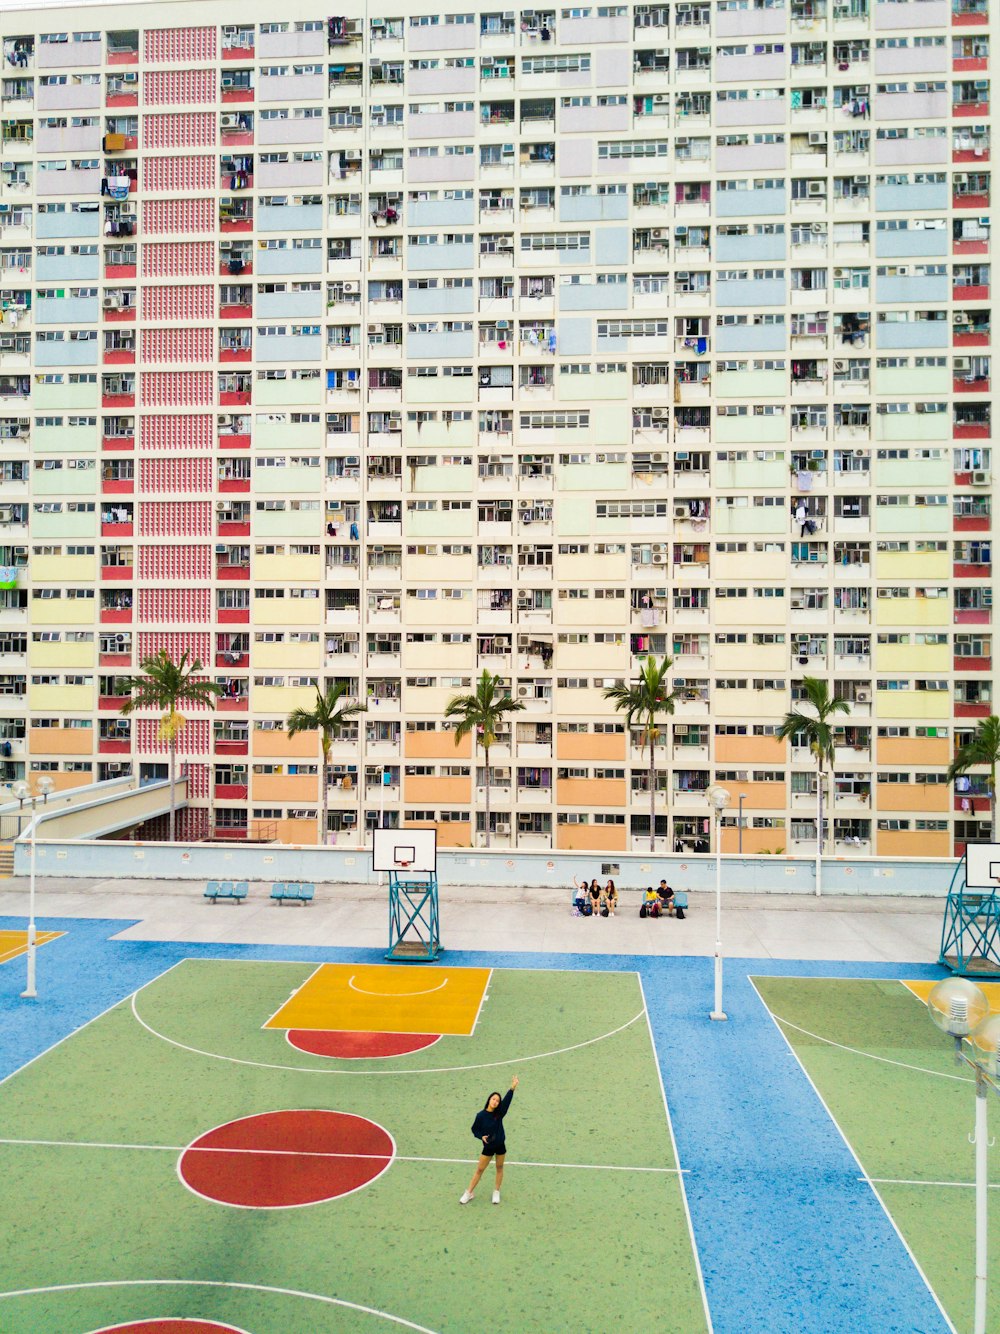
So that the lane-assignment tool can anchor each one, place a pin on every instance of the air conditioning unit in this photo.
(817, 228)
(817, 137)
(841, 366)
(221, 506)
(229, 122)
(111, 302)
(351, 155)
(679, 143)
(659, 414)
(659, 558)
(221, 548)
(980, 479)
(680, 511)
(523, 692)
(350, 289)
(660, 594)
(658, 547)
(862, 696)
(659, 98)
(814, 188)
(658, 458)
(503, 828)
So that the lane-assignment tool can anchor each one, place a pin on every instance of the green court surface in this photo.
(593, 1234)
(890, 1082)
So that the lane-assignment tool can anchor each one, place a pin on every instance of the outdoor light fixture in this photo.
(718, 799)
(23, 793)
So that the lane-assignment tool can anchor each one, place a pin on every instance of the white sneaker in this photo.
(466, 1197)
(496, 1197)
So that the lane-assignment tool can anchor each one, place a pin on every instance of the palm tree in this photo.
(818, 732)
(165, 684)
(482, 713)
(983, 747)
(327, 717)
(643, 701)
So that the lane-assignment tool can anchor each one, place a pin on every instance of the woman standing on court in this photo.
(488, 1127)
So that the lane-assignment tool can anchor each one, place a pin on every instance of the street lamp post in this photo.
(718, 799)
(23, 794)
(743, 797)
(960, 1009)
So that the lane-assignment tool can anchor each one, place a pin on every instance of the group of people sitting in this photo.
(591, 900)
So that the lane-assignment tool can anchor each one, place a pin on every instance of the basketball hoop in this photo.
(404, 866)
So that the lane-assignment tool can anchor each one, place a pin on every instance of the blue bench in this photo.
(236, 890)
(292, 892)
(680, 900)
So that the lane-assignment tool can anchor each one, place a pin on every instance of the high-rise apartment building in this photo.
(381, 350)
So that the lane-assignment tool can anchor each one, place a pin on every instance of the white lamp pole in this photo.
(960, 1009)
(743, 797)
(22, 792)
(718, 799)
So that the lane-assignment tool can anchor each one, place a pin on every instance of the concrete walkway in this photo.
(777, 926)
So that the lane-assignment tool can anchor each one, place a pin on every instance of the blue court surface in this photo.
(789, 1232)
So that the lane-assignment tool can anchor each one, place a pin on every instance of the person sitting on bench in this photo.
(651, 902)
(666, 897)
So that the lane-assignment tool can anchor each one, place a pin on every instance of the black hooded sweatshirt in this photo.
(491, 1124)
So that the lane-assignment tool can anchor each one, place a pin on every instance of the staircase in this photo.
(6, 860)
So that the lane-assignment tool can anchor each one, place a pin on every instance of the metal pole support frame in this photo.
(970, 932)
(414, 923)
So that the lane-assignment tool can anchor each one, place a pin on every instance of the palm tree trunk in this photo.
(486, 752)
(325, 780)
(652, 795)
(819, 827)
(993, 803)
(173, 812)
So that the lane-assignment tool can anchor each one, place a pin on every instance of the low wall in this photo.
(95, 860)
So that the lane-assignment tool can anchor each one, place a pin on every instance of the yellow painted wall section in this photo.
(288, 657)
(912, 657)
(287, 611)
(433, 700)
(279, 745)
(575, 570)
(63, 569)
(62, 655)
(285, 788)
(912, 611)
(911, 843)
(63, 611)
(441, 657)
(435, 791)
(750, 611)
(281, 700)
(759, 566)
(758, 704)
(750, 657)
(592, 838)
(289, 569)
(583, 703)
(614, 659)
(588, 612)
(436, 746)
(935, 797)
(436, 612)
(586, 746)
(437, 569)
(61, 740)
(60, 699)
(591, 793)
(750, 749)
(912, 704)
(923, 750)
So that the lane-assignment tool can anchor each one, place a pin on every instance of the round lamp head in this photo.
(718, 797)
(984, 1045)
(957, 1006)
(20, 790)
(45, 785)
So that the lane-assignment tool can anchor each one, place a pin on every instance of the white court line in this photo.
(965, 1185)
(218, 1283)
(850, 1149)
(325, 1070)
(857, 1051)
(310, 1153)
(679, 1170)
(484, 996)
(394, 995)
(294, 991)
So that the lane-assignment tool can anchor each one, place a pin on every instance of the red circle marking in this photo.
(170, 1325)
(282, 1160)
(358, 1046)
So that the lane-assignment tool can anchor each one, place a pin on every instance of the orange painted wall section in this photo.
(284, 788)
(926, 750)
(281, 746)
(907, 843)
(454, 835)
(435, 746)
(591, 793)
(574, 746)
(760, 796)
(592, 838)
(912, 797)
(752, 749)
(428, 790)
(61, 741)
(754, 841)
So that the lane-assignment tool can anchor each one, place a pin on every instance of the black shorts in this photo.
(488, 1150)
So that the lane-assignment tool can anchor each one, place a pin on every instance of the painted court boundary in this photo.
(787, 1235)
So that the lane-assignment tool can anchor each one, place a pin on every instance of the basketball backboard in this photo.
(404, 850)
(982, 865)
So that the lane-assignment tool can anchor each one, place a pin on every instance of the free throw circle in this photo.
(358, 1046)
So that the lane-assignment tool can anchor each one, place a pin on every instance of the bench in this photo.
(236, 890)
(292, 892)
(680, 900)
